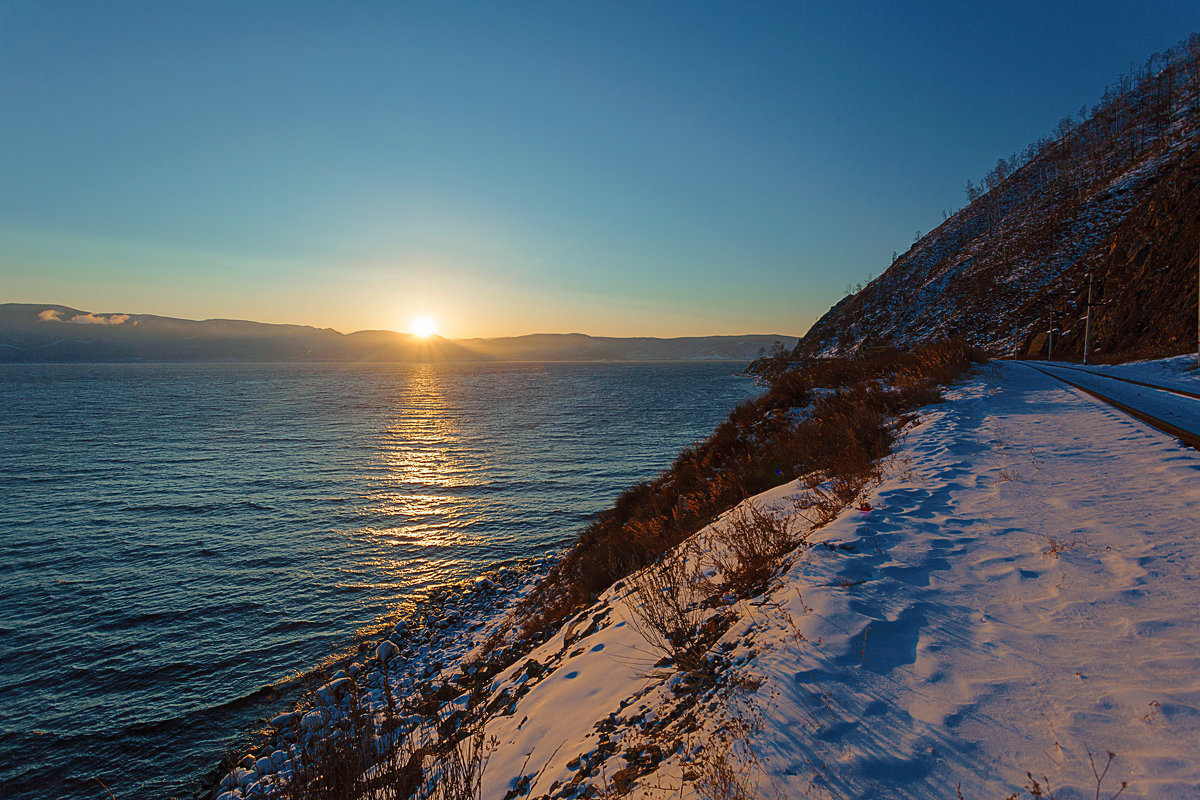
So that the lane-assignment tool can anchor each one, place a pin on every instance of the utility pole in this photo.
(1087, 326)
(1050, 347)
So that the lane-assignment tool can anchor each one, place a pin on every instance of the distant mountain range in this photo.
(32, 333)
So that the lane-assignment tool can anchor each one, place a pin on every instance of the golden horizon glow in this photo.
(423, 326)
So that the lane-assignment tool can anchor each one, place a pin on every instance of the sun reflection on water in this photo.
(426, 477)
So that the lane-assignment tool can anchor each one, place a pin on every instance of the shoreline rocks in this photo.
(398, 670)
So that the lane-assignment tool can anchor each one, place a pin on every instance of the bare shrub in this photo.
(352, 762)
(1044, 790)
(750, 545)
(1056, 547)
(667, 613)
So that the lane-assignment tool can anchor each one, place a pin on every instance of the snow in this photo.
(1023, 591)
(1027, 599)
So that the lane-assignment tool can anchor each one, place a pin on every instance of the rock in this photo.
(386, 650)
(285, 720)
(236, 778)
(313, 720)
(332, 692)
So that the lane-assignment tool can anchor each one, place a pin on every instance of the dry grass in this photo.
(463, 758)
(371, 756)
(1008, 474)
(750, 546)
(840, 435)
(667, 612)
(357, 760)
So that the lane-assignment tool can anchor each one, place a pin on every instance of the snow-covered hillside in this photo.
(1022, 591)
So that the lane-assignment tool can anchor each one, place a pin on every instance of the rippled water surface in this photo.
(177, 539)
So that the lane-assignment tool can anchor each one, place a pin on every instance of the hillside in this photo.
(984, 614)
(40, 333)
(1116, 193)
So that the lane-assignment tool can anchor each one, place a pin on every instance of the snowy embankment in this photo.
(424, 645)
(1023, 590)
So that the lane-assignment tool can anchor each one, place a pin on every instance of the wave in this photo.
(156, 617)
(198, 508)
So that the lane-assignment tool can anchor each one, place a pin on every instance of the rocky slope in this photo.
(1116, 195)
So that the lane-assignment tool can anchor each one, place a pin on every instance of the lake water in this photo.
(176, 540)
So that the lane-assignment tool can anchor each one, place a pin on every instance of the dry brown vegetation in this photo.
(828, 420)
(373, 756)
(667, 607)
(750, 546)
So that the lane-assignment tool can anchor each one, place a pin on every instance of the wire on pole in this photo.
(1087, 326)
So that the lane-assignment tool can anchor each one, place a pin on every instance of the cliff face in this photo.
(1116, 194)
(1148, 278)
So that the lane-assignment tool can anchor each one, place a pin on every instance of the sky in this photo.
(611, 168)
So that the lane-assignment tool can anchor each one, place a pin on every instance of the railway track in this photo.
(1160, 387)
(1187, 434)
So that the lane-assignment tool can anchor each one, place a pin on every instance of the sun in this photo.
(423, 326)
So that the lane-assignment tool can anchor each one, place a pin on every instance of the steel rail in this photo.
(1160, 387)
(1188, 438)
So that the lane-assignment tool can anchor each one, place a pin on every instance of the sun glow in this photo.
(423, 327)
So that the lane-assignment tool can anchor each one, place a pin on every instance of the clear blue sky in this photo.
(631, 168)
